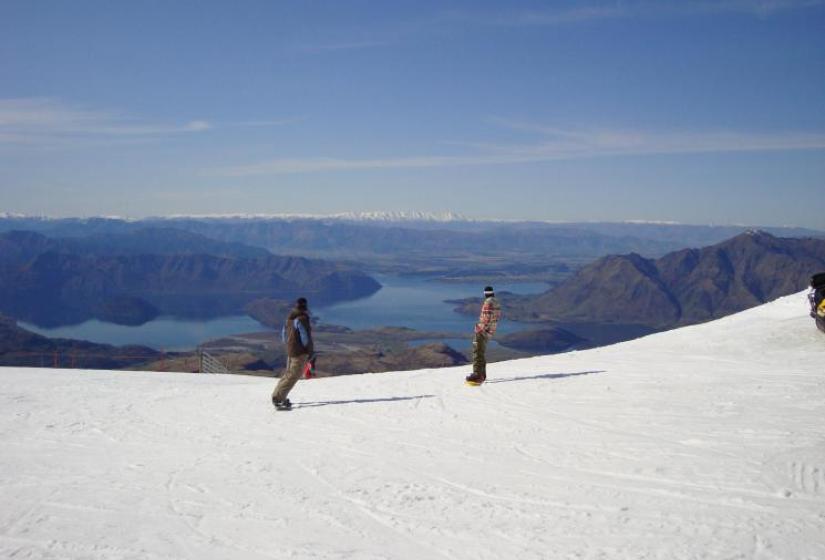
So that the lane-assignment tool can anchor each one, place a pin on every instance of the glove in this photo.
(309, 368)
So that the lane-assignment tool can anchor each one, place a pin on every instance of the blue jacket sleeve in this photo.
(302, 332)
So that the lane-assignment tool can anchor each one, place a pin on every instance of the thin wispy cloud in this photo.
(554, 144)
(572, 13)
(341, 46)
(595, 142)
(546, 17)
(761, 8)
(616, 10)
(45, 120)
(316, 164)
(267, 122)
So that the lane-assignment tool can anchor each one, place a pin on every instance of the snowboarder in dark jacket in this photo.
(297, 334)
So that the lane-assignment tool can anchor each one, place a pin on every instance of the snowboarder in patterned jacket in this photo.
(297, 335)
(484, 331)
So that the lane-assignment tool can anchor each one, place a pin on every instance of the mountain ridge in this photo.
(51, 282)
(684, 287)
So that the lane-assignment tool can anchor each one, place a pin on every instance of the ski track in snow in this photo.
(705, 442)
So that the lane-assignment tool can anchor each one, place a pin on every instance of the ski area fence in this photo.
(137, 359)
(80, 358)
(210, 364)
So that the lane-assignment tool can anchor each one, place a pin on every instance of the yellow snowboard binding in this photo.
(474, 380)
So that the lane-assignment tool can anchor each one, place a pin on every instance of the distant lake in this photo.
(163, 333)
(412, 302)
(418, 304)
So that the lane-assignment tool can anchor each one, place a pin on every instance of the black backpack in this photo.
(816, 296)
(818, 287)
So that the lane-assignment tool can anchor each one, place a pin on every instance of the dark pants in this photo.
(293, 372)
(479, 356)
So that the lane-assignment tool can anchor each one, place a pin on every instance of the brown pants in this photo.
(479, 355)
(292, 373)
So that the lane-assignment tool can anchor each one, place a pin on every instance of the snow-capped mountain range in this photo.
(401, 217)
(446, 216)
(702, 442)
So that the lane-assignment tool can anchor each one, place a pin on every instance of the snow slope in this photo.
(706, 442)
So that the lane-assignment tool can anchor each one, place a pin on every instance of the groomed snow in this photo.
(706, 442)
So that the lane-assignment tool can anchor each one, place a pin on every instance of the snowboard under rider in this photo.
(297, 334)
(484, 331)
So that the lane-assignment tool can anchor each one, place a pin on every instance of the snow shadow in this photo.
(362, 401)
(543, 376)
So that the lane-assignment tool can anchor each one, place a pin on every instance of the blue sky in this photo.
(691, 111)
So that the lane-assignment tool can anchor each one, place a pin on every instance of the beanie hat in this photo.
(488, 291)
(301, 303)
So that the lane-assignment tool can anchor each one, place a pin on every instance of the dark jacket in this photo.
(294, 346)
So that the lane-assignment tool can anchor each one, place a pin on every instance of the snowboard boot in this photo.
(282, 405)
(475, 379)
